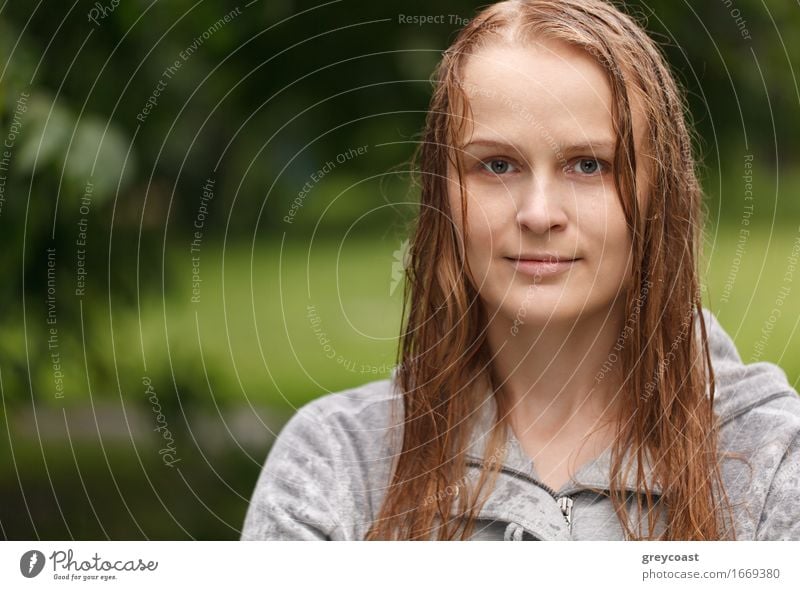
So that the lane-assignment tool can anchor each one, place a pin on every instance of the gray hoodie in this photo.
(328, 470)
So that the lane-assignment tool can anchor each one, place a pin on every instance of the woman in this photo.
(557, 379)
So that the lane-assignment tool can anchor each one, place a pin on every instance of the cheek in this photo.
(603, 228)
(611, 240)
(486, 219)
(454, 202)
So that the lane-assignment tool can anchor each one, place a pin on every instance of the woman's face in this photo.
(537, 159)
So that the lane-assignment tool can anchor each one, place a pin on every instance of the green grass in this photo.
(258, 343)
(253, 327)
(743, 298)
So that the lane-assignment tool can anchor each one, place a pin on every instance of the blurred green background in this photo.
(115, 118)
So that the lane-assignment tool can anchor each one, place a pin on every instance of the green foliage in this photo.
(55, 140)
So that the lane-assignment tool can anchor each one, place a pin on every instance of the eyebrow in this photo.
(585, 145)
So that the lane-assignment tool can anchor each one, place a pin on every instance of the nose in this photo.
(541, 208)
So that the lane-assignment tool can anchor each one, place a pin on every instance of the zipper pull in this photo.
(565, 503)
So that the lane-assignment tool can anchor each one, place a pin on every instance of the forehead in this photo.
(542, 88)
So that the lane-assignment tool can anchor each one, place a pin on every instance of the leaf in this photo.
(46, 128)
(98, 155)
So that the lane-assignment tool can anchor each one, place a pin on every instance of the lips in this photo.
(542, 267)
(549, 258)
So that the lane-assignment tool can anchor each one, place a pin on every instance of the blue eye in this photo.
(497, 166)
(588, 166)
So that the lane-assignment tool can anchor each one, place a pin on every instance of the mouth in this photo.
(542, 265)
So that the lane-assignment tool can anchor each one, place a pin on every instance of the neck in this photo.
(551, 374)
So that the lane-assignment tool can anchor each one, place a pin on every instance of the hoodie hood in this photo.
(740, 387)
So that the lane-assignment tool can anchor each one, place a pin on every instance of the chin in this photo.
(524, 307)
(553, 300)
(545, 312)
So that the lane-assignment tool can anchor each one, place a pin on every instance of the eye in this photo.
(588, 166)
(497, 166)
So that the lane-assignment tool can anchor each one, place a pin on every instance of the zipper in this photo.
(565, 502)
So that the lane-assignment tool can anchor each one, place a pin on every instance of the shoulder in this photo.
(326, 471)
(757, 407)
(373, 399)
(759, 416)
(772, 419)
(357, 430)
(352, 429)
(359, 414)
(761, 466)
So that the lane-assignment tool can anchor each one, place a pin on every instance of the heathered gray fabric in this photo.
(327, 472)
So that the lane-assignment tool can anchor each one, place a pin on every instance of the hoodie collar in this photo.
(739, 388)
(593, 474)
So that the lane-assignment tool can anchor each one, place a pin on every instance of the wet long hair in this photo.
(443, 358)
